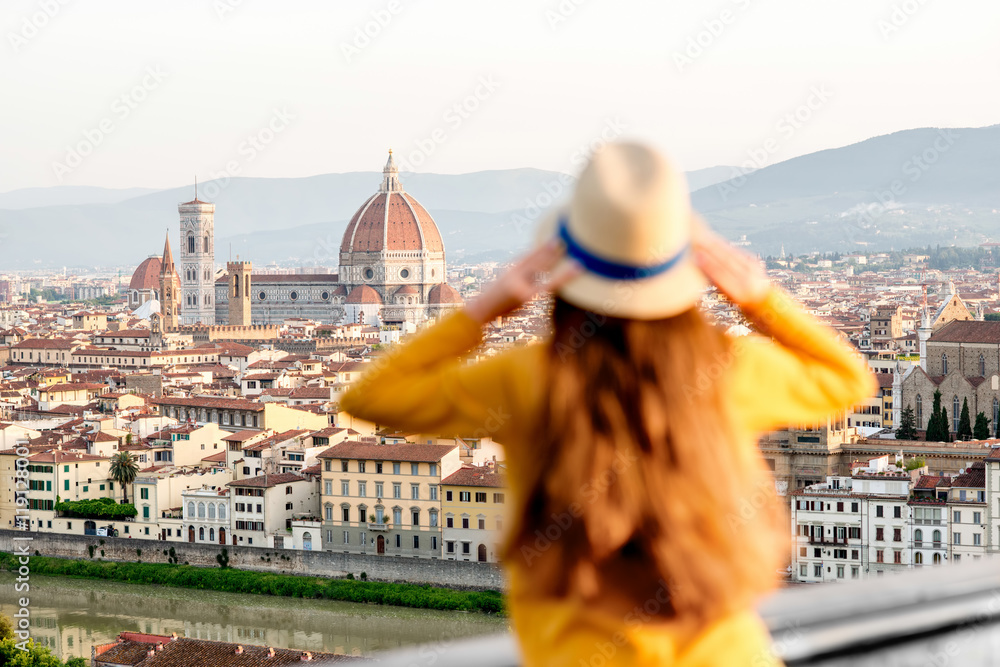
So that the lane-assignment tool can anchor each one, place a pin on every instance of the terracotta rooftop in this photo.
(403, 452)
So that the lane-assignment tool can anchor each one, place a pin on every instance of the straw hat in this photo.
(630, 225)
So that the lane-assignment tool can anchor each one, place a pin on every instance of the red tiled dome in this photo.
(363, 294)
(406, 290)
(443, 294)
(147, 276)
(391, 219)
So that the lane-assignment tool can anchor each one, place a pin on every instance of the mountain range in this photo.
(909, 188)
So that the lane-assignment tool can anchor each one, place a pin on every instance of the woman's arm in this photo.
(807, 374)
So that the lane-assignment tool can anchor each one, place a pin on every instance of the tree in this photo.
(937, 425)
(907, 425)
(123, 470)
(982, 428)
(915, 463)
(965, 422)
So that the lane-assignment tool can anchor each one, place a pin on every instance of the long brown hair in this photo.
(640, 484)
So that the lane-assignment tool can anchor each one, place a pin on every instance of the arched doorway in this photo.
(482, 553)
(222, 536)
(89, 528)
(380, 545)
(307, 541)
(190, 533)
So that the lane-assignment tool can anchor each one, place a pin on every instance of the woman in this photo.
(645, 523)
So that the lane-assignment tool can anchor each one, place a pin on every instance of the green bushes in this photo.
(264, 583)
(99, 508)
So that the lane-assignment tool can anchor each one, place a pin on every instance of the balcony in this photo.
(378, 526)
(944, 615)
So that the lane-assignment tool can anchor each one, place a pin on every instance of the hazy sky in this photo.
(121, 93)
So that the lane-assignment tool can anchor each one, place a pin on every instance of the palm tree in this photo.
(123, 470)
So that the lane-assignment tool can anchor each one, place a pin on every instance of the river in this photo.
(71, 615)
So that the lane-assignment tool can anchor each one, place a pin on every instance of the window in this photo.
(449, 522)
(343, 466)
(397, 517)
(854, 571)
(897, 512)
(450, 547)
(817, 570)
(399, 541)
(414, 468)
(289, 506)
(480, 497)
(414, 491)
(918, 558)
(347, 537)
(345, 513)
(466, 547)
(288, 490)
(897, 557)
(432, 469)
(937, 559)
(918, 538)
(498, 498)
(447, 496)
(464, 496)
(328, 514)
(957, 517)
(434, 492)
(879, 534)
(378, 467)
(328, 488)
(956, 413)
(361, 466)
(840, 571)
(363, 489)
(854, 554)
(362, 513)
(937, 538)
(397, 490)
(465, 522)
(326, 466)
(345, 487)
(379, 493)
(840, 507)
(482, 524)
(434, 519)
(977, 539)
(395, 467)
(879, 556)
(416, 541)
(944, 364)
(144, 494)
(977, 517)
(416, 517)
(878, 511)
(897, 534)
(919, 412)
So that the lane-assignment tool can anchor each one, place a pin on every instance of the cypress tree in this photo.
(907, 425)
(965, 422)
(982, 428)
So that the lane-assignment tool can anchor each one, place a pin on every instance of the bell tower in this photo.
(239, 292)
(197, 271)
(170, 290)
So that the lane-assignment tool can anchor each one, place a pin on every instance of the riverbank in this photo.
(264, 583)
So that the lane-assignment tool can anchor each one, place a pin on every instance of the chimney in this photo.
(150, 653)
(307, 656)
(239, 650)
(159, 646)
(270, 651)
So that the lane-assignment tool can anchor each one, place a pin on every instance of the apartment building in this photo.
(474, 505)
(385, 499)
(967, 514)
(263, 508)
(852, 527)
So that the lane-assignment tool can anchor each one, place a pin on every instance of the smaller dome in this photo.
(444, 294)
(147, 276)
(363, 294)
(406, 290)
(339, 290)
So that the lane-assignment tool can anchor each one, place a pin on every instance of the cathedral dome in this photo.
(363, 294)
(444, 294)
(391, 220)
(147, 276)
(406, 290)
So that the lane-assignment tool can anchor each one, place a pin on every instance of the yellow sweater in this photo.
(423, 386)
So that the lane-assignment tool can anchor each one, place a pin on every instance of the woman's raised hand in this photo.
(737, 274)
(518, 284)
